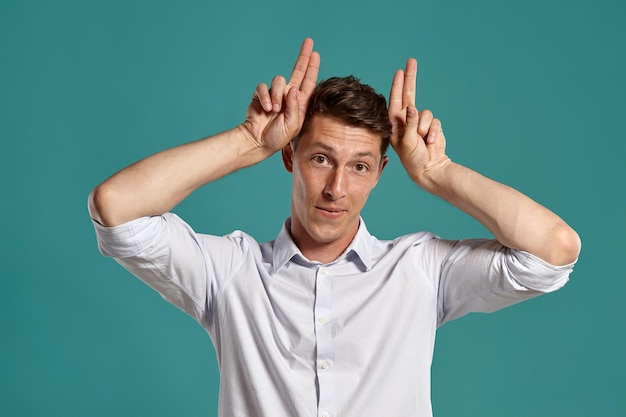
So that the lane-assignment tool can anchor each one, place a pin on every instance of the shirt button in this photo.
(322, 320)
(325, 415)
(324, 365)
(323, 271)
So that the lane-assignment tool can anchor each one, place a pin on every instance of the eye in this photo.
(361, 167)
(320, 159)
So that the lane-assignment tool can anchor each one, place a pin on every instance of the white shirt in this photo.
(351, 338)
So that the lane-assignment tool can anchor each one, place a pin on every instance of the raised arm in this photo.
(159, 182)
(513, 218)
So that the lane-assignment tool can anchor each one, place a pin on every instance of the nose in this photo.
(335, 184)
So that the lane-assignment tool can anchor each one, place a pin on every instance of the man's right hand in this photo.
(275, 115)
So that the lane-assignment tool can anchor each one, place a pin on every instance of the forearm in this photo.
(513, 218)
(156, 184)
(159, 182)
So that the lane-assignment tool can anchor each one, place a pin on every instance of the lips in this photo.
(331, 212)
(331, 209)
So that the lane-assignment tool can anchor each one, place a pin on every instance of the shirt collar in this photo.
(285, 248)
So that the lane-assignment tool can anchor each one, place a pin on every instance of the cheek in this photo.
(309, 181)
(361, 189)
(304, 186)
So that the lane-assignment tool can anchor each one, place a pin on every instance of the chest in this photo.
(295, 309)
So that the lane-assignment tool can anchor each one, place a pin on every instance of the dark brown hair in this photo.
(353, 103)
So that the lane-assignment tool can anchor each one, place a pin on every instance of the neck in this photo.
(324, 252)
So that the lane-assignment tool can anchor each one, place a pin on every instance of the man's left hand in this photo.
(417, 137)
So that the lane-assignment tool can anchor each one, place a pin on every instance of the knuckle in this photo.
(278, 79)
(426, 114)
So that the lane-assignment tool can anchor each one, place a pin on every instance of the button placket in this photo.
(325, 351)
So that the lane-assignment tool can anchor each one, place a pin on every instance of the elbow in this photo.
(565, 245)
(101, 205)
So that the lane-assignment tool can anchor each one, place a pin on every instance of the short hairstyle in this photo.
(353, 103)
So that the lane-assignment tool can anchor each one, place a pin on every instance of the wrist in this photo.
(250, 148)
(433, 177)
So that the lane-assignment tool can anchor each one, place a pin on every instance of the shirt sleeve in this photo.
(480, 275)
(184, 267)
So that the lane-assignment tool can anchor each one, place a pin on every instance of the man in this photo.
(327, 320)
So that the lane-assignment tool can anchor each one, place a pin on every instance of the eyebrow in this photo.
(330, 149)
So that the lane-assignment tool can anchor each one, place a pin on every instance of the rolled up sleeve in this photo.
(169, 256)
(480, 275)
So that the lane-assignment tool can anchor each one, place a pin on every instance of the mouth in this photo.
(331, 211)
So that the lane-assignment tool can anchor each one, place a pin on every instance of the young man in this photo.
(327, 320)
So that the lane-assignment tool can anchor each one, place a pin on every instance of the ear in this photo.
(287, 153)
(383, 164)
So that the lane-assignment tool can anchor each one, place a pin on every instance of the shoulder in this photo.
(415, 239)
(402, 246)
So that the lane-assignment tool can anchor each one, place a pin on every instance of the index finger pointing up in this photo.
(395, 96)
(408, 89)
(306, 67)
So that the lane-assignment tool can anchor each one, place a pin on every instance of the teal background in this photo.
(530, 93)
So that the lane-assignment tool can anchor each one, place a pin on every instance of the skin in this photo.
(419, 141)
(328, 192)
(334, 169)
(156, 184)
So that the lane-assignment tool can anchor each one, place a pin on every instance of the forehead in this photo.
(334, 135)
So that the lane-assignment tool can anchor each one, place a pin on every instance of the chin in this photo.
(326, 234)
